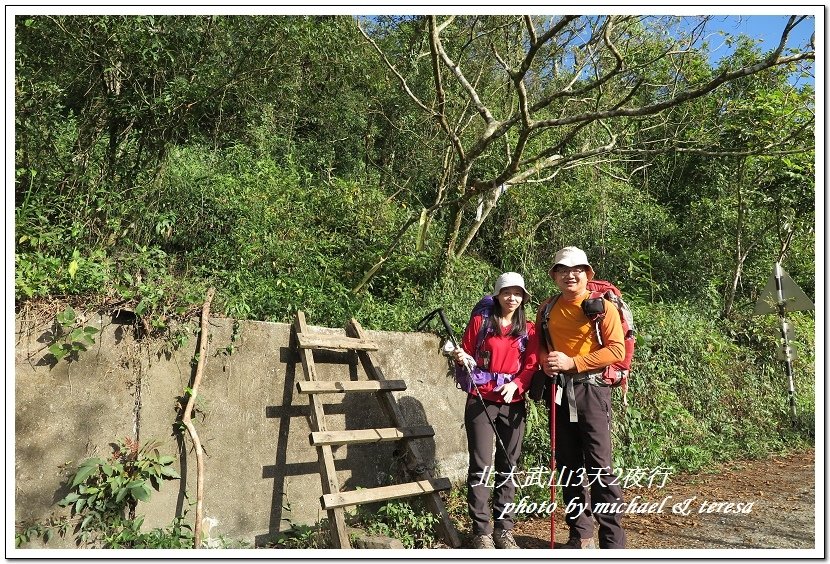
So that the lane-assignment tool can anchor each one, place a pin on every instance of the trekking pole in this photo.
(552, 422)
(552, 415)
(440, 312)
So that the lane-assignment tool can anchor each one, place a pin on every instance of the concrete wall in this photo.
(261, 474)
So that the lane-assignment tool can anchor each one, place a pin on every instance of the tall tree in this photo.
(519, 99)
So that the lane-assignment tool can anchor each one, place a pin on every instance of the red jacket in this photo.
(505, 357)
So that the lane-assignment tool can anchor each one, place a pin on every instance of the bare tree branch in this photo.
(394, 70)
(459, 75)
(188, 423)
(565, 75)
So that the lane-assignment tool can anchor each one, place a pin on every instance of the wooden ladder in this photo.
(333, 500)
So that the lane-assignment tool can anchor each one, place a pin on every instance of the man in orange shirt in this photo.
(572, 353)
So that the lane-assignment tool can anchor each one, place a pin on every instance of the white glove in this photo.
(459, 354)
(507, 391)
(468, 361)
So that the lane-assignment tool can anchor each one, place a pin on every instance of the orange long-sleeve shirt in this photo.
(572, 333)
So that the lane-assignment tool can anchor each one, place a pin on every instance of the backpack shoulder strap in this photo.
(544, 334)
(596, 319)
(482, 332)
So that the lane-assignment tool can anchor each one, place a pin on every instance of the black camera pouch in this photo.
(593, 307)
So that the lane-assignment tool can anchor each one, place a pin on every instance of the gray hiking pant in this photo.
(587, 444)
(481, 478)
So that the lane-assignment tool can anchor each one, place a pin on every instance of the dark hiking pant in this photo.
(483, 477)
(583, 456)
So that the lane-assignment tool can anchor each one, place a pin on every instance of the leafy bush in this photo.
(697, 396)
(413, 525)
(70, 337)
(303, 536)
(701, 390)
(104, 494)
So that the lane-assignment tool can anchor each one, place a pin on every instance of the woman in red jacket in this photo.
(502, 365)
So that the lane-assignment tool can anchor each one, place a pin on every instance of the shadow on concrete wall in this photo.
(281, 467)
(381, 464)
(414, 414)
(294, 406)
(367, 465)
(179, 431)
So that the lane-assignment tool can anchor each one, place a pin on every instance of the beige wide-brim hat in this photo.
(509, 279)
(572, 256)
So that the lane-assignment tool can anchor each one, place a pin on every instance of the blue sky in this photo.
(767, 28)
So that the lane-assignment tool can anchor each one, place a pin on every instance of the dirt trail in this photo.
(781, 491)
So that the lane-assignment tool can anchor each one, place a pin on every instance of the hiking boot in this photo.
(504, 539)
(483, 541)
(576, 542)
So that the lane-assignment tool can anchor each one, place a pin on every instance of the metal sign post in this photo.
(787, 352)
(780, 295)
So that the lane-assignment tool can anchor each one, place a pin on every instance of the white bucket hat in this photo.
(509, 279)
(572, 256)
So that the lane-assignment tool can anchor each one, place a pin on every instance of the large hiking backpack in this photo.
(615, 375)
(465, 379)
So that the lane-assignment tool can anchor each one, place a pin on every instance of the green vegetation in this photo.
(304, 536)
(734, 407)
(70, 336)
(408, 521)
(103, 497)
(326, 164)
